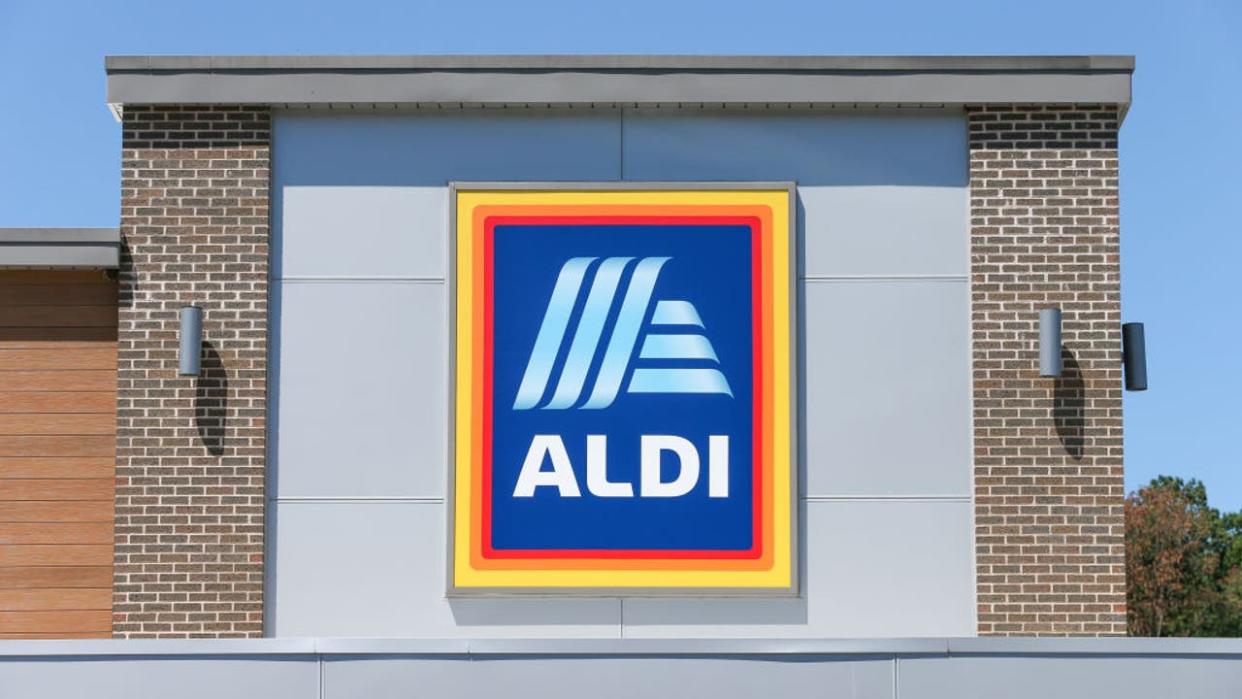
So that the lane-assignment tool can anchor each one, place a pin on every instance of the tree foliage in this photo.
(1183, 562)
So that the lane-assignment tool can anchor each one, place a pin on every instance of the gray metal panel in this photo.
(158, 678)
(60, 247)
(430, 150)
(869, 569)
(643, 80)
(1068, 677)
(822, 648)
(887, 388)
(879, 194)
(319, 668)
(367, 568)
(359, 408)
(602, 678)
(372, 168)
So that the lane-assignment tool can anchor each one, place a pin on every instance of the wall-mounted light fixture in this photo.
(1050, 342)
(1134, 356)
(190, 359)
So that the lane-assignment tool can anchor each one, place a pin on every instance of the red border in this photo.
(756, 549)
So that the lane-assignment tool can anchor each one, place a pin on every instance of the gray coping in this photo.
(994, 646)
(60, 247)
(866, 81)
(623, 62)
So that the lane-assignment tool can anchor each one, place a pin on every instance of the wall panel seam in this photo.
(962, 278)
(313, 279)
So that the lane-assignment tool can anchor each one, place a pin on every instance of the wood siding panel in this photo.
(57, 467)
(58, 402)
(55, 555)
(58, 316)
(56, 338)
(54, 621)
(55, 599)
(57, 424)
(44, 489)
(77, 511)
(58, 362)
(57, 445)
(59, 380)
(55, 533)
(50, 577)
(47, 636)
(58, 294)
(50, 276)
(98, 357)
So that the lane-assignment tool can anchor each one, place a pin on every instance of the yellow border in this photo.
(779, 576)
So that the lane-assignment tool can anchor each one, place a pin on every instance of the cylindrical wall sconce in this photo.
(1050, 342)
(1134, 356)
(190, 360)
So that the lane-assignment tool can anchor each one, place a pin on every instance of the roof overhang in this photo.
(838, 81)
(60, 247)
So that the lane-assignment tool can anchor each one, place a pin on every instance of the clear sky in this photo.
(1181, 145)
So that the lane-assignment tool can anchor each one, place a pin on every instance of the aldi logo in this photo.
(623, 398)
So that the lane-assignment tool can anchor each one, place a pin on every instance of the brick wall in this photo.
(190, 452)
(1048, 467)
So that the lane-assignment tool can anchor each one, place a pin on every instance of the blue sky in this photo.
(1180, 147)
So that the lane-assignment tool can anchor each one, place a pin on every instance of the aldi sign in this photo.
(623, 395)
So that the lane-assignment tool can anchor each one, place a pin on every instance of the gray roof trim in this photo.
(60, 247)
(624, 62)
(640, 80)
(923, 647)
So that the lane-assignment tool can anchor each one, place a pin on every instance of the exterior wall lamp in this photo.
(1134, 356)
(1133, 349)
(191, 333)
(1050, 342)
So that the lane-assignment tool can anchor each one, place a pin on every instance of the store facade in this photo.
(546, 352)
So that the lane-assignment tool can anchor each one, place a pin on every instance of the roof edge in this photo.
(60, 247)
(590, 81)
(623, 62)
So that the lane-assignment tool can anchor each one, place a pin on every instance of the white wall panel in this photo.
(872, 569)
(361, 405)
(358, 231)
(377, 569)
(886, 388)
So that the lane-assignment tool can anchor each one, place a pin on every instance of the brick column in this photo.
(190, 452)
(1049, 528)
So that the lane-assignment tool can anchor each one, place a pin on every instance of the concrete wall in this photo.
(338, 668)
(359, 349)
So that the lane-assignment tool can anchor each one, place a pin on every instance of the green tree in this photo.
(1183, 562)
